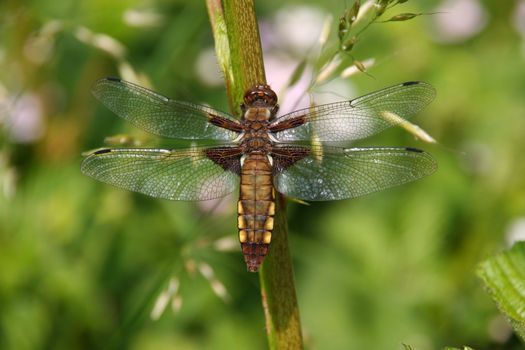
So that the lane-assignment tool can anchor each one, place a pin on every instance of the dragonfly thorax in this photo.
(255, 124)
(256, 137)
(256, 143)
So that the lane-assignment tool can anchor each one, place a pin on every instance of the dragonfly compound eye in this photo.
(260, 95)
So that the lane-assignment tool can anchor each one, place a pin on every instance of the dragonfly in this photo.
(305, 154)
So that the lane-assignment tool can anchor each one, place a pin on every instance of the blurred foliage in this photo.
(504, 277)
(83, 264)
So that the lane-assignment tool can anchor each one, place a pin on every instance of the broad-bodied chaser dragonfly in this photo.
(304, 154)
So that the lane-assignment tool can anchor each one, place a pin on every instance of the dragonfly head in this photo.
(260, 96)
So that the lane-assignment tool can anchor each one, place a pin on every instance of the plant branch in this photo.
(281, 311)
(239, 53)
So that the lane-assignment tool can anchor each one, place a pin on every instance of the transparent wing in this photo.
(358, 118)
(158, 114)
(183, 174)
(331, 173)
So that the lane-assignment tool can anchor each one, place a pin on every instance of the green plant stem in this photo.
(247, 68)
(239, 53)
(281, 311)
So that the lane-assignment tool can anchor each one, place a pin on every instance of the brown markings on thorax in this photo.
(256, 206)
(256, 137)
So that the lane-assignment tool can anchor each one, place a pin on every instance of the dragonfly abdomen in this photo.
(256, 208)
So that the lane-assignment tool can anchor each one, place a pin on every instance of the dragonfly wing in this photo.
(356, 119)
(181, 174)
(330, 173)
(160, 115)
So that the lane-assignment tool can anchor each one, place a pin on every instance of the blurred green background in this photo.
(84, 265)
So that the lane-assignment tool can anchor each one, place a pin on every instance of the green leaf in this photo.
(406, 16)
(297, 73)
(403, 17)
(504, 277)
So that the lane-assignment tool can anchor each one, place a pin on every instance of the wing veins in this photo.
(184, 174)
(331, 173)
(158, 114)
(359, 118)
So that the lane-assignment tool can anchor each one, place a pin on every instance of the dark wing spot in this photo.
(102, 151)
(408, 83)
(114, 79)
(410, 149)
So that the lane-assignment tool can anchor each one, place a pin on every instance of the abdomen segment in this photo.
(256, 209)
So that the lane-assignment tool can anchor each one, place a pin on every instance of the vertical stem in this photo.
(281, 311)
(245, 46)
(239, 53)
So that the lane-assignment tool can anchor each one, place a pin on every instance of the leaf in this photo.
(403, 17)
(406, 16)
(328, 70)
(325, 32)
(357, 66)
(504, 277)
(414, 129)
(297, 73)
